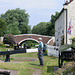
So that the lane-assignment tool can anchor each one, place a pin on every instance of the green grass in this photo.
(4, 48)
(25, 68)
(27, 65)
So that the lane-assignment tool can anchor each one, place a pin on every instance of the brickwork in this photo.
(20, 38)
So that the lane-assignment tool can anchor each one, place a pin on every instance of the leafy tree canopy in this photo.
(17, 21)
(51, 25)
(40, 28)
(46, 28)
(2, 27)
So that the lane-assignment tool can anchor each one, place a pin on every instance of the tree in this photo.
(46, 28)
(17, 21)
(51, 24)
(13, 29)
(29, 30)
(40, 28)
(2, 27)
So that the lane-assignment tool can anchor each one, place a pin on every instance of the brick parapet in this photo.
(19, 38)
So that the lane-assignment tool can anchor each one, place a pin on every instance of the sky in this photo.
(38, 10)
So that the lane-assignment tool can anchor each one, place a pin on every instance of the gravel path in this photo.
(26, 58)
(37, 71)
(10, 62)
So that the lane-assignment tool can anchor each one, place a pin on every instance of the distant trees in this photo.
(51, 25)
(17, 21)
(2, 27)
(46, 28)
(40, 28)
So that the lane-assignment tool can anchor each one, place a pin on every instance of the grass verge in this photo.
(25, 68)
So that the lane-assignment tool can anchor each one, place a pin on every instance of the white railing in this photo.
(51, 51)
(32, 50)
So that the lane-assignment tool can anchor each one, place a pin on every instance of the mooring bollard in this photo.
(7, 56)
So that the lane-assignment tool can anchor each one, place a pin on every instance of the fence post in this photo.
(59, 61)
(25, 47)
(7, 56)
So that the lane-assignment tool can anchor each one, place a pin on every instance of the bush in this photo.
(9, 39)
(67, 69)
(2, 45)
(73, 41)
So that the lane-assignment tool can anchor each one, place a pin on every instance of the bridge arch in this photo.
(27, 39)
(23, 37)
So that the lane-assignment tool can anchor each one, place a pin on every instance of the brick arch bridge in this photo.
(23, 37)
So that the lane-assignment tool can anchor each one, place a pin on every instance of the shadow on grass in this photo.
(34, 64)
(53, 57)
